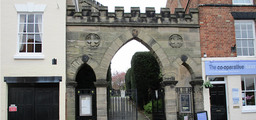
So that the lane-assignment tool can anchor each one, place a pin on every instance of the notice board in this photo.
(85, 106)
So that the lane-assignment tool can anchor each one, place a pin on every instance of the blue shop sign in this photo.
(242, 67)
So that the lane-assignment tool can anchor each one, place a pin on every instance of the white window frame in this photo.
(249, 108)
(217, 82)
(29, 8)
(251, 3)
(254, 40)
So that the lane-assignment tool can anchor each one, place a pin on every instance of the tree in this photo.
(128, 79)
(109, 78)
(118, 80)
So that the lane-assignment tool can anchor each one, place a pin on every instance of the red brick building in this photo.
(228, 42)
(217, 30)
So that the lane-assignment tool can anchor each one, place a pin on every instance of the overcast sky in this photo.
(121, 62)
(127, 4)
(122, 59)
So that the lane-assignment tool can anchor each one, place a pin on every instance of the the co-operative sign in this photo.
(242, 67)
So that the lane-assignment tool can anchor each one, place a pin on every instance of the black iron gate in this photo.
(123, 105)
(158, 109)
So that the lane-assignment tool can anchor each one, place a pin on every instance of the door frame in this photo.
(226, 89)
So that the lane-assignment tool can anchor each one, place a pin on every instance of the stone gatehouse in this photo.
(94, 35)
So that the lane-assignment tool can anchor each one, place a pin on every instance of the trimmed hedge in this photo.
(145, 76)
(128, 79)
(109, 77)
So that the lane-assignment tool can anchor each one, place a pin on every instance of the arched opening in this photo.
(185, 77)
(145, 80)
(121, 61)
(85, 93)
(184, 89)
(85, 77)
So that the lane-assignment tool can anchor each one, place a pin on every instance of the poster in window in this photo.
(85, 105)
(185, 103)
(235, 95)
(202, 115)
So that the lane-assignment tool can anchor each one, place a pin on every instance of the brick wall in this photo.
(172, 4)
(217, 1)
(217, 33)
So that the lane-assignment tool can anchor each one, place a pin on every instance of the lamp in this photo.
(85, 58)
(205, 55)
(233, 48)
(156, 93)
(54, 61)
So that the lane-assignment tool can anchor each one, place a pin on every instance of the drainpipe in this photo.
(187, 6)
(193, 91)
(76, 6)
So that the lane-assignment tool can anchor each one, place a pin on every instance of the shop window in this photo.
(248, 93)
(245, 37)
(242, 2)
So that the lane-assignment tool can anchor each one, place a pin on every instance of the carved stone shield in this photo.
(175, 41)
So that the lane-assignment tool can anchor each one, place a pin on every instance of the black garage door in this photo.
(33, 101)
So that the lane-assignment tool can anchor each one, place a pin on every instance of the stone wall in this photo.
(87, 16)
(94, 37)
(168, 45)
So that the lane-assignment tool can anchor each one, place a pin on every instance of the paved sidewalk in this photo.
(141, 116)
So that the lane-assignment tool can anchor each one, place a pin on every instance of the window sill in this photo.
(248, 109)
(243, 4)
(246, 56)
(30, 56)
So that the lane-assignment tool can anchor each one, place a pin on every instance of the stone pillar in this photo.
(170, 98)
(71, 100)
(101, 91)
(197, 94)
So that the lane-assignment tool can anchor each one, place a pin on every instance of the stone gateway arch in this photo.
(94, 35)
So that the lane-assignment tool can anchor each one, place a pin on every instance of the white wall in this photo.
(54, 32)
(0, 56)
(234, 111)
(237, 113)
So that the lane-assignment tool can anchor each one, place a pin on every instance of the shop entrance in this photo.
(218, 102)
(33, 102)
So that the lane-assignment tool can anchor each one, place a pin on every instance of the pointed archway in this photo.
(144, 39)
(97, 35)
(85, 92)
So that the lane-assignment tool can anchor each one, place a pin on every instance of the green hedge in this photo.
(109, 77)
(145, 76)
(148, 107)
(128, 79)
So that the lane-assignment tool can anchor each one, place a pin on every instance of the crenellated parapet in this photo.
(135, 18)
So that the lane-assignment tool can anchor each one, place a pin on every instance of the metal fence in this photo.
(123, 105)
